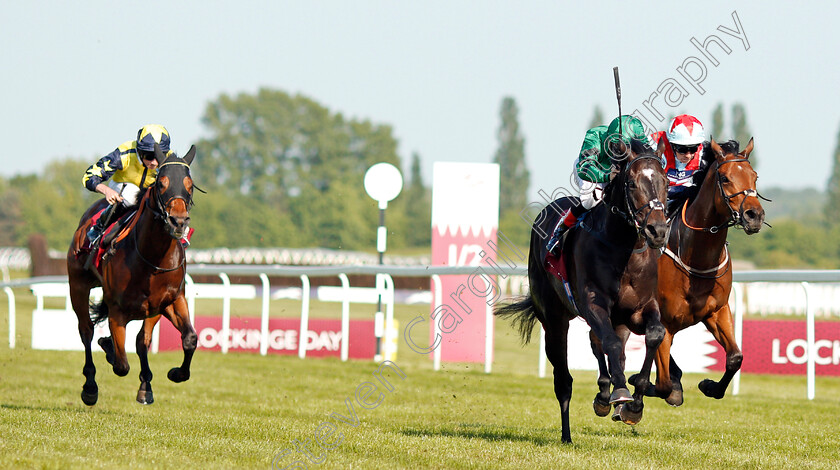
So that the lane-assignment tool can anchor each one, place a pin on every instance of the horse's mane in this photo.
(729, 147)
(140, 197)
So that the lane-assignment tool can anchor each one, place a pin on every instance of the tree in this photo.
(832, 206)
(717, 123)
(416, 204)
(510, 156)
(741, 130)
(301, 163)
(11, 220)
(597, 118)
(514, 178)
(53, 203)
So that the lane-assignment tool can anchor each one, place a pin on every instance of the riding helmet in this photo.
(686, 130)
(152, 134)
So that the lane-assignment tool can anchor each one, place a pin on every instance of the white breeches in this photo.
(128, 191)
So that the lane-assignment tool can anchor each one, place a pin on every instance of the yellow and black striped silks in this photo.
(123, 165)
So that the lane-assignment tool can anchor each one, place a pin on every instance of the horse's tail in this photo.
(523, 314)
(98, 312)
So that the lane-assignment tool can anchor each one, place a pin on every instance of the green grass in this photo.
(240, 410)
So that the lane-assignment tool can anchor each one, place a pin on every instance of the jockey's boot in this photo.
(566, 220)
(95, 231)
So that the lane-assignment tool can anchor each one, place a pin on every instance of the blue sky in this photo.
(81, 77)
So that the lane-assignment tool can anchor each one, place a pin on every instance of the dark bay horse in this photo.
(612, 278)
(695, 278)
(142, 277)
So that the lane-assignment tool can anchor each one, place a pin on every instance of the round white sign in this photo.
(383, 182)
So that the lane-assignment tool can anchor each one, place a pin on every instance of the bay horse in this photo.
(611, 275)
(695, 278)
(142, 277)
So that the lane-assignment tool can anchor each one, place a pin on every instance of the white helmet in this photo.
(686, 130)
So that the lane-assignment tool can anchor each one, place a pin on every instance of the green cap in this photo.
(631, 128)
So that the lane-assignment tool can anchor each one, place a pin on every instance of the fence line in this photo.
(805, 278)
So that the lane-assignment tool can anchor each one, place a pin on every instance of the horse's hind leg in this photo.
(144, 339)
(556, 349)
(120, 361)
(720, 325)
(178, 314)
(601, 404)
(79, 298)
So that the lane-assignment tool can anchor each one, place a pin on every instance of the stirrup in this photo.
(93, 235)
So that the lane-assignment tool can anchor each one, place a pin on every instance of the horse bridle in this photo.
(652, 205)
(735, 218)
(159, 210)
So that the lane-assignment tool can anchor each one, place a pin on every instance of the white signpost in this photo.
(383, 183)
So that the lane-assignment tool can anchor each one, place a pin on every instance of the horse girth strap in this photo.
(699, 272)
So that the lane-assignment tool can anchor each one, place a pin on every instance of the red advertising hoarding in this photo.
(323, 338)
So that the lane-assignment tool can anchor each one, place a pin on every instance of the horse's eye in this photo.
(631, 185)
(724, 179)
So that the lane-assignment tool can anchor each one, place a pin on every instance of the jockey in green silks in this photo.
(593, 167)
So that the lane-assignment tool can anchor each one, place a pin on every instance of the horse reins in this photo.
(734, 216)
(159, 212)
(734, 220)
(631, 215)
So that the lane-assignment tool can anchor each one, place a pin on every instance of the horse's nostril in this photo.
(750, 214)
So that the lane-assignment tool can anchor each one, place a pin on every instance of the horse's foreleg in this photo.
(720, 325)
(601, 404)
(601, 326)
(120, 364)
(144, 339)
(556, 349)
(668, 374)
(654, 333)
(79, 298)
(178, 314)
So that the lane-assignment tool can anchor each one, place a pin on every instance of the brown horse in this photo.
(142, 277)
(695, 278)
(611, 277)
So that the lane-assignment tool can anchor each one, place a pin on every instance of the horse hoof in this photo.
(89, 399)
(617, 412)
(710, 388)
(620, 395)
(108, 347)
(601, 408)
(628, 416)
(176, 375)
(675, 398)
(145, 397)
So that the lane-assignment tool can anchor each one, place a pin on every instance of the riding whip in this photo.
(618, 97)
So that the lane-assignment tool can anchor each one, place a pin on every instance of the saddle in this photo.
(115, 231)
(556, 264)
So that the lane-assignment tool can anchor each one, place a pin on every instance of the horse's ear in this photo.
(660, 148)
(190, 155)
(716, 149)
(159, 156)
(747, 151)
